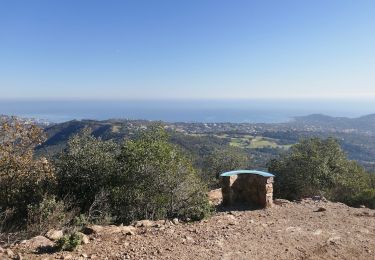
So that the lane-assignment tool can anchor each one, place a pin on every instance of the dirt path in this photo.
(288, 231)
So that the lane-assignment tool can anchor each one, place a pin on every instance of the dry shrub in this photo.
(48, 214)
(24, 180)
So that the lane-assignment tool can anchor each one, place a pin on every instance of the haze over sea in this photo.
(235, 111)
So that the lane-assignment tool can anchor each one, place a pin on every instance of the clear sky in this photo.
(198, 49)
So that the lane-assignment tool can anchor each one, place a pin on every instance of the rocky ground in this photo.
(309, 229)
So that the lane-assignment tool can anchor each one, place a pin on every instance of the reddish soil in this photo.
(294, 230)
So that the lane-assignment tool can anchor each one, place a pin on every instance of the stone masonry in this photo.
(247, 188)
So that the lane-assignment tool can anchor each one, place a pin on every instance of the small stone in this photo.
(333, 240)
(281, 202)
(321, 209)
(93, 229)
(189, 239)
(9, 252)
(175, 221)
(318, 232)
(144, 223)
(19, 256)
(84, 255)
(130, 233)
(84, 239)
(2, 250)
(54, 234)
(66, 257)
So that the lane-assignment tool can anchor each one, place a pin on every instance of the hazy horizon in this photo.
(236, 111)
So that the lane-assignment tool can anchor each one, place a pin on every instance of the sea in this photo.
(209, 111)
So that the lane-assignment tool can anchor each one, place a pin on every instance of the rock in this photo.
(19, 256)
(117, 229)
(333, 240)
(175, 221)
(144, 223)
(321, 209)
(37, 242)
(92, 229)
(189, 239)
(130, 233)
(318, 232)
(84, 255)
(66, 257)
(85, 239)
(2, 250)
(54, 234)
(281, 202)
(9, 253)
(319, 198)
(215, 197)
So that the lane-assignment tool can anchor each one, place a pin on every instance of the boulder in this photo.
(118, 229)
(112, 229)
(9, 253)
(85, 239)
(215, 197)
(144, 223)
(38, 242)
(54, 234)
(92, 229)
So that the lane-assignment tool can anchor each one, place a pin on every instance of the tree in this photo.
(24, 180)
(86, 167)
(155, 181)
(223, 160)
(317, 167)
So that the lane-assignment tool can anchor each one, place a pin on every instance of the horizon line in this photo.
(355, 98)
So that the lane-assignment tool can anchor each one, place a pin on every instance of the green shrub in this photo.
(318, 167)
(365, 197)
(85, 168)
(47, 214)
(155, 181)
(69, 242)
(222, 160)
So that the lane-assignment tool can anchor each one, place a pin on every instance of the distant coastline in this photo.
(205, 111)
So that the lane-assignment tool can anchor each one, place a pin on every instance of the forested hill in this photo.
(261, 141)
(364, 124)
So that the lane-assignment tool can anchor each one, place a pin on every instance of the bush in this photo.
(69, 242)
(48, 214)
(155, 181)
(318, 167)
(24, 180)
(85, 168)
(223, 160)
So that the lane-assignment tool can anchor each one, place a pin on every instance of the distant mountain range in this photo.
(361, 124)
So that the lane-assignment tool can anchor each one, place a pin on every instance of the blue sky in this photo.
(193, 49)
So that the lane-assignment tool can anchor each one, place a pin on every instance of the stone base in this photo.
(247, 188)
